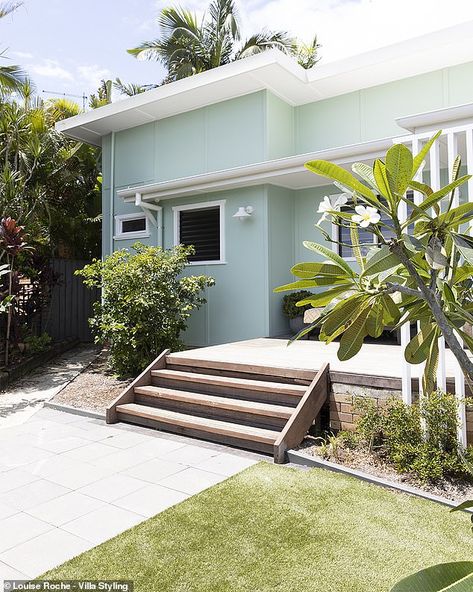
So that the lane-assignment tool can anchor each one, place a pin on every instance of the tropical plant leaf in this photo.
(418, 347)
(382, 260)
(364, 171)
(374, 322)
(419, 158)
(334, 257)
(352, 340)
(342, 315)
(464, 244)
(322, 298)
(431, 365)
(379, 171)
(435, 197)
(312, 283)
(399, 164)
(312, 269)
(337, 173)
(421, 187)
(454, 577)
(463, 506)
(355, 241)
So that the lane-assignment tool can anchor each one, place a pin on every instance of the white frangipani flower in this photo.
(365, 216)
(326, 206)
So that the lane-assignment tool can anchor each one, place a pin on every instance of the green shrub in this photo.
(145, 305)
(289, 303)
(418, 439)
(369, 427)
(37, 343)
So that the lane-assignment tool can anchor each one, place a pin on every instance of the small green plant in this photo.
(146, 303)
(38, 343)
(290, 301)
(370, 425)
(420, 439)
(330, 446)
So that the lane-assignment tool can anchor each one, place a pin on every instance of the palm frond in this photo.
(7, 8)
(266, 40)
(131, 89)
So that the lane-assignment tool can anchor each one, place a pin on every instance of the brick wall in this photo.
(343, 417)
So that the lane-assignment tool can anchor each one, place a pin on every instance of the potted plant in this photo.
(294, 313)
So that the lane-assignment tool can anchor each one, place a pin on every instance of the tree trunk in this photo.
(465, 362)
(9, 313)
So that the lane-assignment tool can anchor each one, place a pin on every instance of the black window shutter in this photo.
(201, 228)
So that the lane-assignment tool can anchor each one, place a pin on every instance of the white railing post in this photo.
(435, 184)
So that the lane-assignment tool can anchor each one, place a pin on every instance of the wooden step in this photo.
(230, 384)
(240, 370)
(218, 407)
(210, 429)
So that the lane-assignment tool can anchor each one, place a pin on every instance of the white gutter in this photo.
(420, 122)
(112, 192)
(263, 172)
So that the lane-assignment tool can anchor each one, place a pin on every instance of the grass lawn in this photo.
(274, 528)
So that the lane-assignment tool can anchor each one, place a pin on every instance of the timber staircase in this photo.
(260, 408)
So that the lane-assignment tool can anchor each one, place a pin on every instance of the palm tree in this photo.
(131, 89)
(188, 45)
(12, 77)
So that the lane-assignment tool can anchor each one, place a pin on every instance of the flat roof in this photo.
(274, 71)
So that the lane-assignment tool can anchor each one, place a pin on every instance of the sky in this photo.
(69, 46)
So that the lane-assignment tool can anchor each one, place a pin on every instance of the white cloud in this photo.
(346, 27)
(50, 69)
(92, 74)
(22, 54)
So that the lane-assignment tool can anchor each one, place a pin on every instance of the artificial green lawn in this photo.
(273, 528)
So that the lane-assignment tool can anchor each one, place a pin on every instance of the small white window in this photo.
(202, 226)
(129, 226)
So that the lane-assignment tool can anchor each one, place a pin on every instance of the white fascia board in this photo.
(272, 172)
(421, 122)
(274, 71)
(419, 55)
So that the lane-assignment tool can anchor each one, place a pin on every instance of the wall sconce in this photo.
(243, 212)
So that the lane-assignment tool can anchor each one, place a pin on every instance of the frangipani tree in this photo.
(418, 268)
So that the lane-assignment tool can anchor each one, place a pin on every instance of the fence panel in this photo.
(71, 303)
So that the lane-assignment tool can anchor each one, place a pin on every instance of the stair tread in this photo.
(237, 383)
(235, 430)
(238, 405)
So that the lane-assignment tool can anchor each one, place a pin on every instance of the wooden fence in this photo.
(70, 306)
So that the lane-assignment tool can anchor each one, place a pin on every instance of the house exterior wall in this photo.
(246, 130)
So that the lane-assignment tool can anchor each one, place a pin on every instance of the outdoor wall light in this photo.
(243, 212)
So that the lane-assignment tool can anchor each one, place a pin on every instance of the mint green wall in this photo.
(280, 252)
(370, 113)
(237, 306)
(279, 128)
(251, 129)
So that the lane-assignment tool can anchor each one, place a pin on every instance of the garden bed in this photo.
(456, 490)
(94, 388)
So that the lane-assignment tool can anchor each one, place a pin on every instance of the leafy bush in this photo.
(289, 302)
(38, 343)
(145, 304)
(369, 426)
(418, 439)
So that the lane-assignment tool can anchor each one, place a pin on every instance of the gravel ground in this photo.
(454, 490)
(94, 388)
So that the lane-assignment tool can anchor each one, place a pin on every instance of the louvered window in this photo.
(200, 227)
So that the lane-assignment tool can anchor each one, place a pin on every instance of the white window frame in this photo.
(203, 206)
(120, 218)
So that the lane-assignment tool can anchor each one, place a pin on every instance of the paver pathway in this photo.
(24, 397)
(68, 483)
